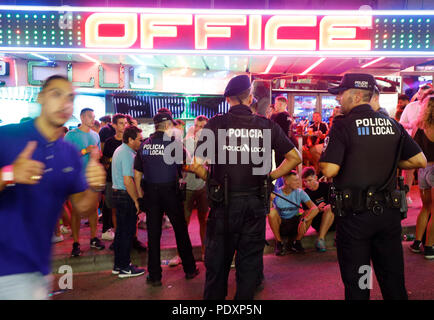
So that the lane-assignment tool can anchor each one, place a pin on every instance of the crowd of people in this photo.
(289, 218)
(109, 159)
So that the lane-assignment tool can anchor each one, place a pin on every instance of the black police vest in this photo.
(371, 141)
(244, 140)
(155, 169)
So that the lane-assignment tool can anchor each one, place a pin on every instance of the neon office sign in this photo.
(172, 31)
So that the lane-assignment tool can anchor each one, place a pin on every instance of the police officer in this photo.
(162, 195)
(236, 222)
(361, 153)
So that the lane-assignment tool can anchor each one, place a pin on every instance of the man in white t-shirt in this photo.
(409, 122)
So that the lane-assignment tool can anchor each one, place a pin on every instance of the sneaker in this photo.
(192, 275)
(76, 252)
(131, 271)
(174, 261)
(97, 244)
(297, 247)
(116, 270)
(320, 245)
(56, 239)
(278, 249)
(108, 235)
(153, 282)
(416, 246)
(166, 222)
(65, 230)
(429, 252)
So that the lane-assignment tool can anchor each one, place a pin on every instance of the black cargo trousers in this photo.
(160, 199)
(246, 236)
(365, 237)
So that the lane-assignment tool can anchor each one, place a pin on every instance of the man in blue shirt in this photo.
(284, 218)
(126, 200)
(39, 172)
(85, 140)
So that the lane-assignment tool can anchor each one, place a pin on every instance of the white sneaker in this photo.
(56, 239)
(64, 230)
(166, 223)
(174, 261)
(108, 235)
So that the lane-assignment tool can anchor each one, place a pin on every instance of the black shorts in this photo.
(289, 227)
(316, 222)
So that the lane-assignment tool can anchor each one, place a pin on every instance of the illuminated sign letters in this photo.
(162, 25)
(219, 26)
(207, 26)
(346, 30)
(95, 40)
(272, 42)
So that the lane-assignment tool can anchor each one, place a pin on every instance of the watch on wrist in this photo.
(8, 175)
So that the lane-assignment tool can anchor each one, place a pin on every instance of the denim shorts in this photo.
(426, 177)
(25, 286)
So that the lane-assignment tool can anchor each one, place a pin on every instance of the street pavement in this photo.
(309, 276)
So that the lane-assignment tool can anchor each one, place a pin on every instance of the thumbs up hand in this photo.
(95, 172)
(26, 170)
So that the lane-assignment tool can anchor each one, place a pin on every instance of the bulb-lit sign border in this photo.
(210, 32)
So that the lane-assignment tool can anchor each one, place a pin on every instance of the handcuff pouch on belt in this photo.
(357, 201)
(342, 201)
(373, 203)
(216, 193)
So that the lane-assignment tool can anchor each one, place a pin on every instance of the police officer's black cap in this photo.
(163, 116)
(361, 81)
(237, 85)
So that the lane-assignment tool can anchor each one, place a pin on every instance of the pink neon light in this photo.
(319, 61)
(372, 62)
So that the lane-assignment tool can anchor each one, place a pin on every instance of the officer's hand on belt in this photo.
(95, 172)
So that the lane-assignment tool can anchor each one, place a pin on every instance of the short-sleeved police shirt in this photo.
(159, 158)
(81, 140)
(364, 143)
(28, 213)
(122, 166)
(244, 133)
